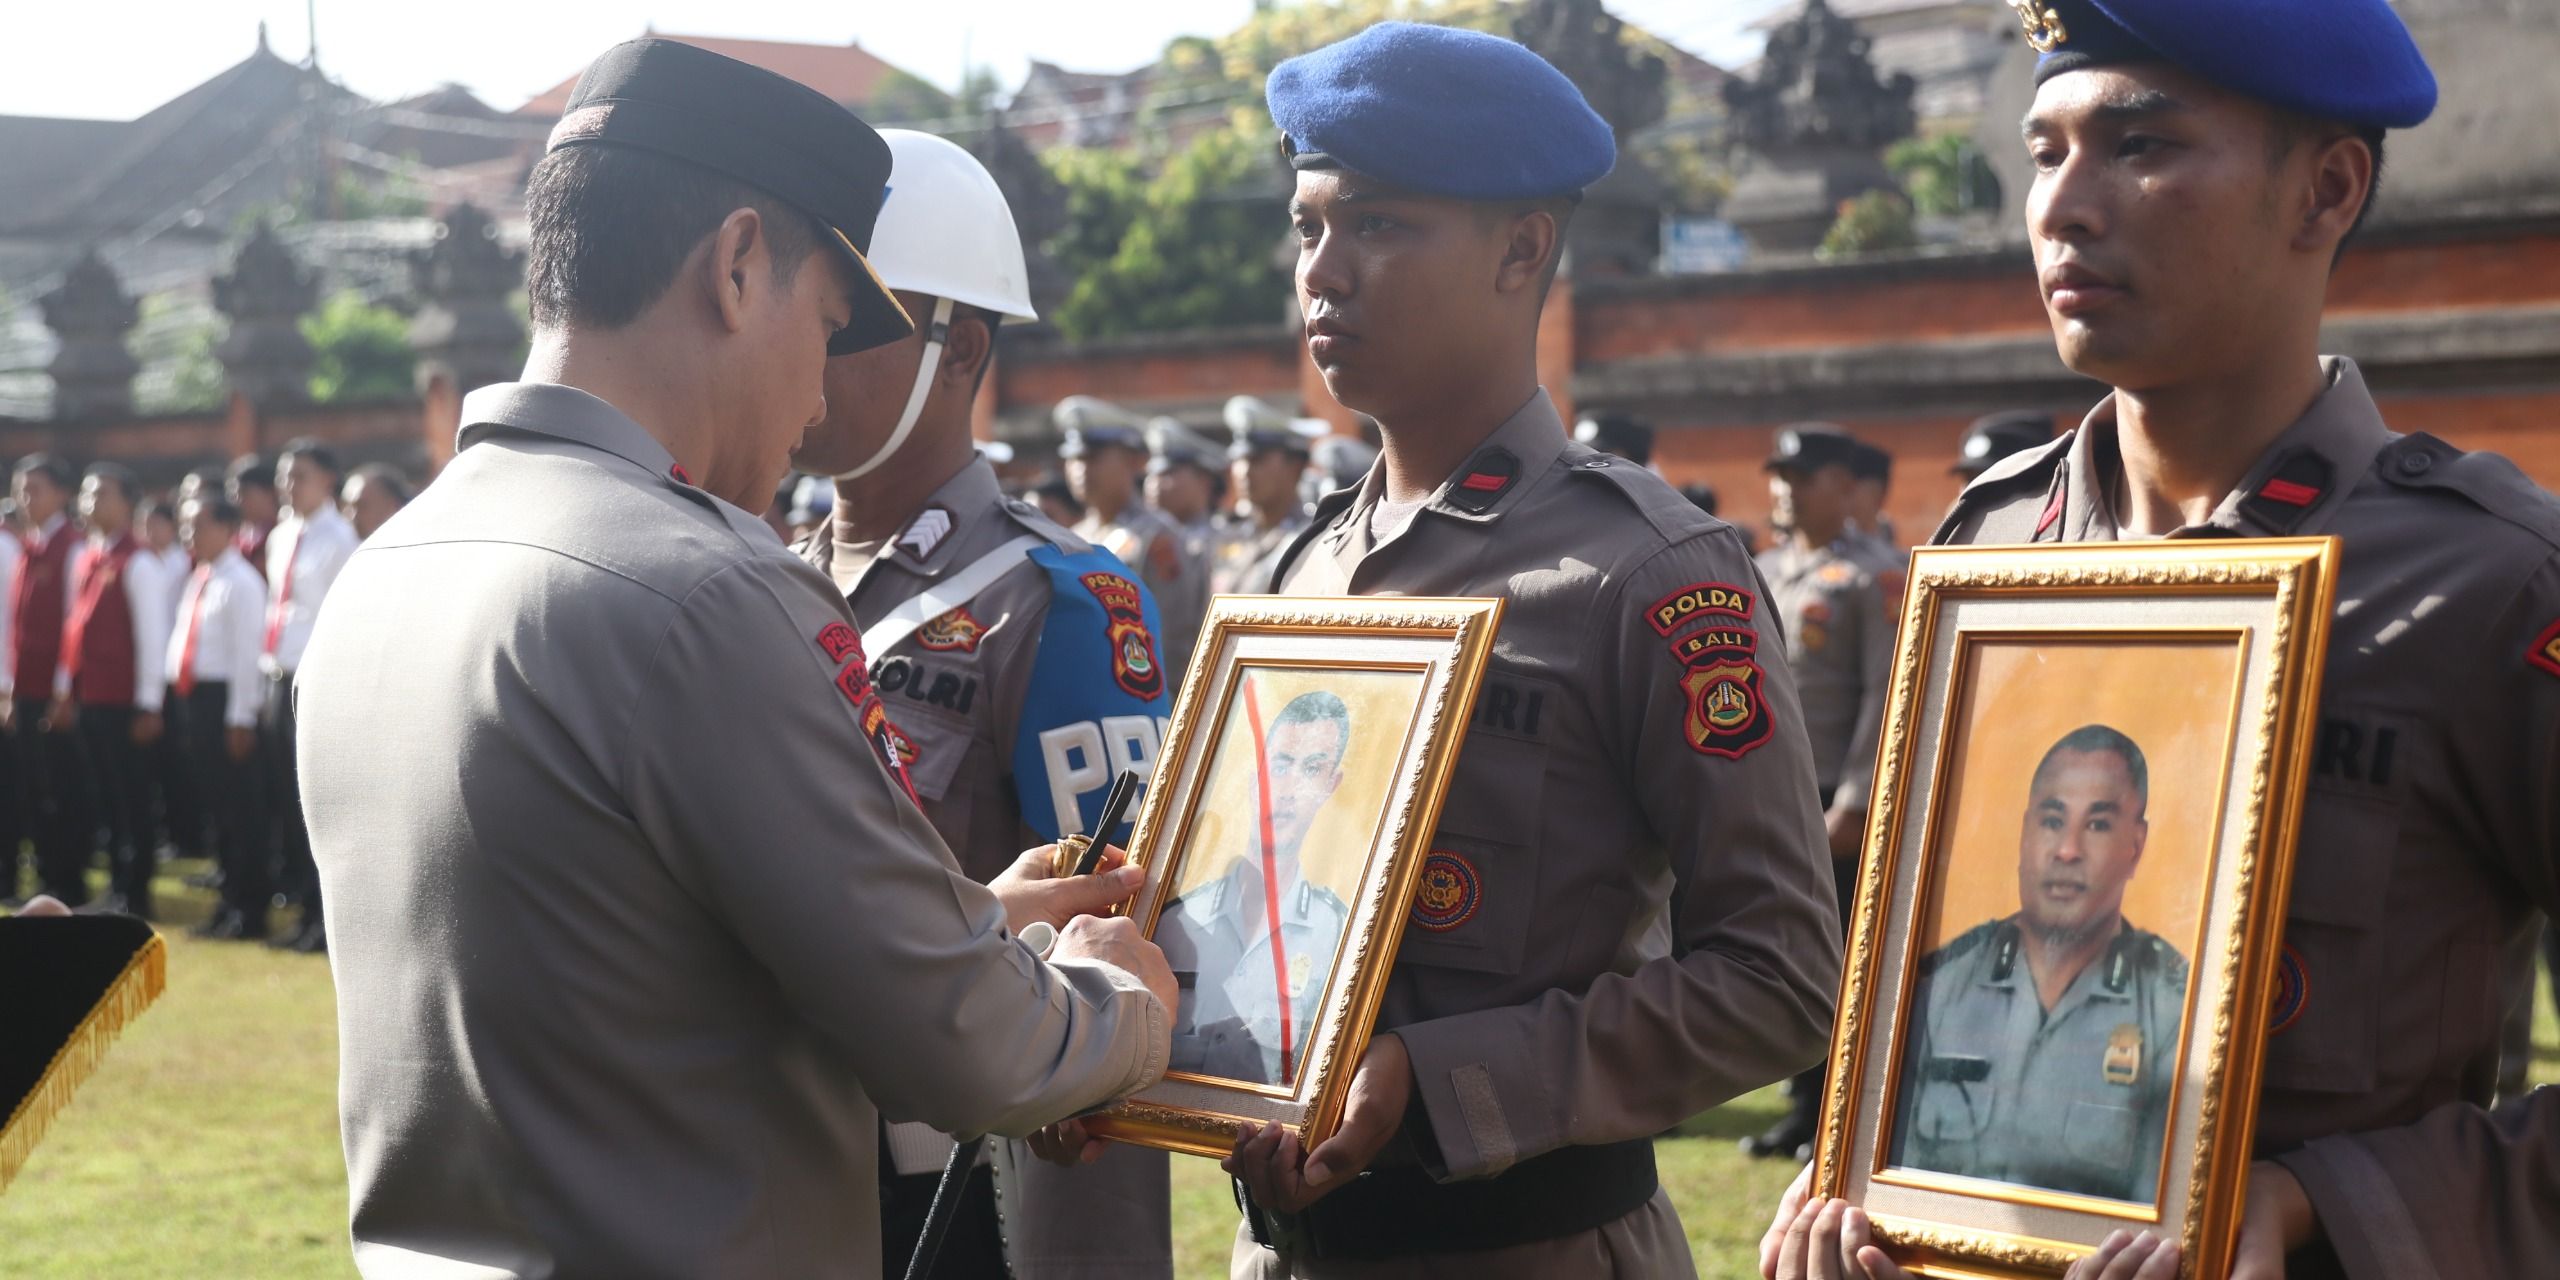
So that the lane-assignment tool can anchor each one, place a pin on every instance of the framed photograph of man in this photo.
(1284, 838)
(2053, 1013)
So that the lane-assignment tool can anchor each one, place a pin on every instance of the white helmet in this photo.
(944, 231)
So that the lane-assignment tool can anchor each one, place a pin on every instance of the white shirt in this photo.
(312, 549)
(228, 609)
(146, 599)
(176, 566)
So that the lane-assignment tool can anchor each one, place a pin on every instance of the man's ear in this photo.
(2341, 180)
(737, 268)
(965, 349)
(1526, 253)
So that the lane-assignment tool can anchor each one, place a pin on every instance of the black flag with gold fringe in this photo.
(72, 984)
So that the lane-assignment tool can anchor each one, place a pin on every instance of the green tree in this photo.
(1877, 222)
(903, 97)
(1190, 247)
(362, 351)
(173, 337)
(1945, 175)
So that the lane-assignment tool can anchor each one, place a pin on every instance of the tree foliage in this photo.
(1877, 222)
(361, 351)
(1191, 246)
(1945, 175)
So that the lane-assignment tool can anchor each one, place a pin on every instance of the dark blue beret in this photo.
(2345, 60)
(1440, 111)
(776, 135)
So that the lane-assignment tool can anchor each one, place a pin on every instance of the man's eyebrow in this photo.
(2106, 806)
(2115, 108)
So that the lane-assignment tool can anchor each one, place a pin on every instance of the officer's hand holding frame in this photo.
(2067, 947)
(1283, 840)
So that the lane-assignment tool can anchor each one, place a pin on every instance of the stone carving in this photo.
(264, 356)
(464, 329)
(90, 313)
(1816, 119)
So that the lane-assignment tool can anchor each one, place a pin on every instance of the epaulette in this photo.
(2140, 951)
(2487, 480)
(2025, 472)
(1965, 943)
(1674, 517)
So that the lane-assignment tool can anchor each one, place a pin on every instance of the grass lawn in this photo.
(207, 1146)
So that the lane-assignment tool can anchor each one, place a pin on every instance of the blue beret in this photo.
(2344, 60)
(1440, 111)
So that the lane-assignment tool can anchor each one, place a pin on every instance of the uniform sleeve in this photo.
(1876, 623)
(749, 771)
(146, 597)
(2466, 1191)
(244, 616)
(1745, 997)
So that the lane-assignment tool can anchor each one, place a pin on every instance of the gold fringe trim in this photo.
(144, 978)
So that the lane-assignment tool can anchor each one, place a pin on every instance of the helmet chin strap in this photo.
(934, 338)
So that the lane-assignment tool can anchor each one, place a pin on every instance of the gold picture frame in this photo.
(2117, 1014)
(1244, 794)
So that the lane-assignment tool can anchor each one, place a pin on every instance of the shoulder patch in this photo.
(2545, 652)
(1134, 666)
(2487, 480)
(1697, 600)
(1728, 712)
(838, 641)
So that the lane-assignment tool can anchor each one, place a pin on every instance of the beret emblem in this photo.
(2045, 32)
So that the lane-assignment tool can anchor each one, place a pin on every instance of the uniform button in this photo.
(2416, 463)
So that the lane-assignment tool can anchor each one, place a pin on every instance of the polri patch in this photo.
(1698, 599)
(955, 632)
(1134, 666)
(1728, 713)
(2545, 652)
(1448, 892)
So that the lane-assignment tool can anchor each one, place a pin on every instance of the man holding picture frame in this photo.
(2190, 183)
(1632, 917)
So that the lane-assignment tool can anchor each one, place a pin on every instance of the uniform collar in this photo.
(926, 543)
(2295, 487)
(563, 413)
(1491, 480)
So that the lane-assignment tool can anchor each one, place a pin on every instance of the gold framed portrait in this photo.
(2072, 899)
(1283, 836)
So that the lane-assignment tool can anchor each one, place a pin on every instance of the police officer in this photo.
(1268, 463)
(1871, 476)
(1620, 435)
(1254, 941)
(2428, 814)
(2046, 1041)
(1004, 653)
(1106, 454)
(1186, 480)
(635, 920)
(1996, 436)
(1838, 625)
(1628, 916)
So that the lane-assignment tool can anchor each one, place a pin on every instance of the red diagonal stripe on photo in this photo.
(1270, 878)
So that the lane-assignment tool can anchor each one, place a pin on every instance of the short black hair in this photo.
(612, 225)
(48, 466)
(116, 474)
(389, 478)
(213, 506)
(252, 471)
(1311, 708)
(2094, 738)
(309, 452)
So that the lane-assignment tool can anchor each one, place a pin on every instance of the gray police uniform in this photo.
(957, 684)
(1247, 553)
(1157, 550)
(2072, 1098)
(1220, 949)
(2429, 840)
(1839, 632)
(632, 929)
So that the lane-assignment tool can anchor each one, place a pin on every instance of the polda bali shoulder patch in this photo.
(1448, 892)
(1134, 666)
(839, 642)
(2545, 652)
(1727, 712)
(1697, 600)
(955, 632)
